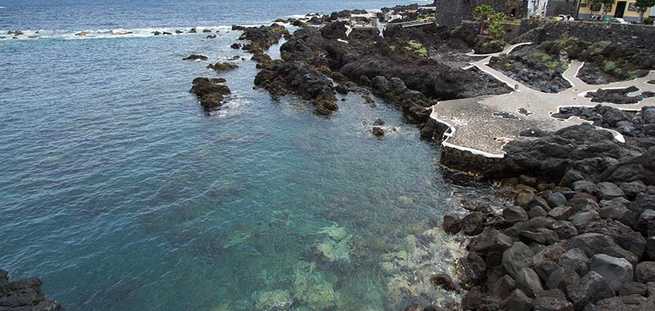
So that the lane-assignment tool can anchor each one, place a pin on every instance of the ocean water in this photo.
(122, 194)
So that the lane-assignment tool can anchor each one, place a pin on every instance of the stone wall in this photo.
(561, 7)
(453, 12)
(638, 36)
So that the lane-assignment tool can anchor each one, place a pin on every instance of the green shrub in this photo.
(496, 26)
(417, 47)
(609, 66)
(648, 20)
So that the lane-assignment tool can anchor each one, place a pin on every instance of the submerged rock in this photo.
(223, 66)
(273, 300)
(196, 57)
(26, 294)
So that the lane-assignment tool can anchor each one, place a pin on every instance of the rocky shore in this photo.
(578, 233)
(23, 295)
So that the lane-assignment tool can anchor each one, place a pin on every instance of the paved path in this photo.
(485, 124)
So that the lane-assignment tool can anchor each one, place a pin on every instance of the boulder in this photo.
(650, 247)
(539, 235)
(646, 223)
(555, 199)
(377, 131)
(595, 243)
(613, 209)
(444, 281)
(517, 301)
(472, 223)
(617, 271)
(524, 198)
(631, 189)
(633, 288)
(490, 240)
(536, 211)
(528, 280)
(562, 279)
(623, 235)
(575, 260)
(590, 288)
(562, 212)
(552, 300)
(517, 257)
(451, 224)
(608, 191)
(503, 287)
(570, 177)
(648, 115)
(545, 261)
(583, 219)
(565, 229)
(474, 299)
(645, 272)
(514, 214)
(585, 186)
(473, 269)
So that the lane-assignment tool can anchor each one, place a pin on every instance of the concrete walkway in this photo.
(483, 125)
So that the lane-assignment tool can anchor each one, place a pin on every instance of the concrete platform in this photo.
(483, 125)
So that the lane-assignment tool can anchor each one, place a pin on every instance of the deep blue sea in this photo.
(122, 194)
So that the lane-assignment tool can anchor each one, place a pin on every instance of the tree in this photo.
(497, 25)
(642, 7)
(482, 13)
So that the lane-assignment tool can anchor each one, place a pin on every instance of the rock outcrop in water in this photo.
(219, 67)
(210, 91)
(282, 78)
(23, 295)
(395, 67)
(196, 57)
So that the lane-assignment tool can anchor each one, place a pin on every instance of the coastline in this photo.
(577, 191)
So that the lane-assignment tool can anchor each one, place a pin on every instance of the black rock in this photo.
(575, 260)
(514, 214)
(517, 257)
(645, 272)
(451, 224)
(591, 288)
(595, 243)
(517, 301)
(196, 57)
(24, 294)
(552, 300)
(444, 281)
(617, 271)
(528, 280)
(490, 240)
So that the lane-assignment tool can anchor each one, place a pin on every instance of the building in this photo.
(453, 12)
(546, 8)
(621, 9)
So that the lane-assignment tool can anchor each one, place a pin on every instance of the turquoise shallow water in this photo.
(122, 194)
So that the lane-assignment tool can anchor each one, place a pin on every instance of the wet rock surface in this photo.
(211, 92)
(196, 57)
(282, 78)
(24, 294)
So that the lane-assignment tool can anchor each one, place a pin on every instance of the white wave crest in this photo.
(111, 33)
